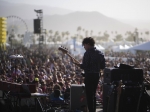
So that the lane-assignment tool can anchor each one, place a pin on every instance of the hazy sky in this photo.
(120, 9)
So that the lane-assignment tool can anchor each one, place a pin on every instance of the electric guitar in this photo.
(118, 95)
(65, 51)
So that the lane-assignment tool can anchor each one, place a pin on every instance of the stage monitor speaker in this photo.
(127, 76)
(37, 26)
(77, 97)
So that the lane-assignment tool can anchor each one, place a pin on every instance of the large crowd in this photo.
(53, 72)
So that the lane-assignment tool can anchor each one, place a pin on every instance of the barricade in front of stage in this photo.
(15, 87)
(15, 92)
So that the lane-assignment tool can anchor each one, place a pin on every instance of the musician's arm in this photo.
(85, 61)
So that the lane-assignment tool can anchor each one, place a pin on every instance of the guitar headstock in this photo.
(63, 49)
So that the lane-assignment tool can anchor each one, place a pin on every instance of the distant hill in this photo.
(140, 24)
(87, 20)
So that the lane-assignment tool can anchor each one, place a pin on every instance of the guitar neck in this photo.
(73, 58)
(118, 96)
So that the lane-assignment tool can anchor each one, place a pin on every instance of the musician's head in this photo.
(57, 93)
(88, 43)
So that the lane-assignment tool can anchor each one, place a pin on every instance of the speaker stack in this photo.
(37, 26)
(127, 97)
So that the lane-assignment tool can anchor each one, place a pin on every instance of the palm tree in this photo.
(33, 39)
(56, 33)
(131, 36)
(18, 35)
(11, 39)
(147, 33)
(106, 36)
(58, 38)
(116, 32)
(99, 33)
(51, 32)
(81, 37)
(22, 36)
(91, 33)
(67, 34)
(79, 30)
(136, 36)
(49, 39)
(63, 34)
(141, 39)
(86, 33)
(119, 37)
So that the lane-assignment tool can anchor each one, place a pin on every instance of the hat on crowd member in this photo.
(36, 79)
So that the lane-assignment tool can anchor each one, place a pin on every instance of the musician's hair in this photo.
(88, 40)
(57, 86)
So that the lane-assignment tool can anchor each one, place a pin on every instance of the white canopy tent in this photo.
(126, 47)
(117, 48)
(143, 47)
(120, 48)
(99, 47)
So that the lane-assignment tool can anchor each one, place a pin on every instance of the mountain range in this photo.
(58, 19)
